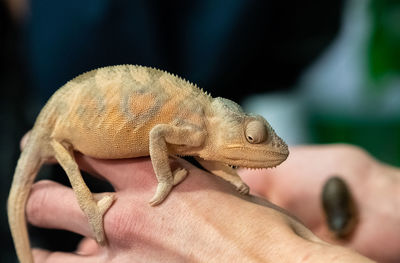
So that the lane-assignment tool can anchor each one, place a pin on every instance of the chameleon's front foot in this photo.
(179, 174)
(96, 212)
(243, 188)
(164, 188)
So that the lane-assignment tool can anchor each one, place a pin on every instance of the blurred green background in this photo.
(351, 92)
(373, 121)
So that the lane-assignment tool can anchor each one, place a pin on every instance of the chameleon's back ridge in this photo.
(129, 111)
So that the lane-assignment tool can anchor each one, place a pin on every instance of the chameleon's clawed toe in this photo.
(95, 219)
(105, 201)
(162, 191)
(100, 205)
(179, 174)
(243, 189)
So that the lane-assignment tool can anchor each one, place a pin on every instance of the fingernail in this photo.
(339, 207)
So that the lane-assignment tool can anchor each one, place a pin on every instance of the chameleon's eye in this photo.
(256, 132)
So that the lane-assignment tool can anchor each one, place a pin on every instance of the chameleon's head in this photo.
(245, 140)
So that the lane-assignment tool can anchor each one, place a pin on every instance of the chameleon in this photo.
(129, 111)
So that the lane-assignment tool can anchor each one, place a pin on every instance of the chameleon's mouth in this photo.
(254, 164)
(235, 167)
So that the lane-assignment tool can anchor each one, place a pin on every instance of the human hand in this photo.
(296, 185)
(202, 220)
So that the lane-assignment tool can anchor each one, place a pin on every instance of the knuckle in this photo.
(40, 255)
(124, 226)
(349, 149)
(120, 225)
(36, 202)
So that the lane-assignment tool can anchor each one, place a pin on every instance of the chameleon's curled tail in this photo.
(28, 166)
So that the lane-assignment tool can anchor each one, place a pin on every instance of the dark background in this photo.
(229, 48)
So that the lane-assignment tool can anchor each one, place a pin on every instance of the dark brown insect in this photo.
(339, 207)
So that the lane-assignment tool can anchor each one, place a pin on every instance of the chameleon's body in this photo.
(131, 111)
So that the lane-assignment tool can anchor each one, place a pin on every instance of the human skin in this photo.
(296, 185)
(205, 220)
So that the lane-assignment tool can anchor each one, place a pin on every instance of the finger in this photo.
(121, 173)
(45, 256)
(51, 205)
(87, 247)
(125, 173)
(117, 172)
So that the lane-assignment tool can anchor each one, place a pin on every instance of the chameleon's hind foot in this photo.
(95, 214)
(104, 201)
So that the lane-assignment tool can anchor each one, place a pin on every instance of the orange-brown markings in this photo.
(111, 114)
(141, 108)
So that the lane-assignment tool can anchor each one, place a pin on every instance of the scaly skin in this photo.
(130, 111)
